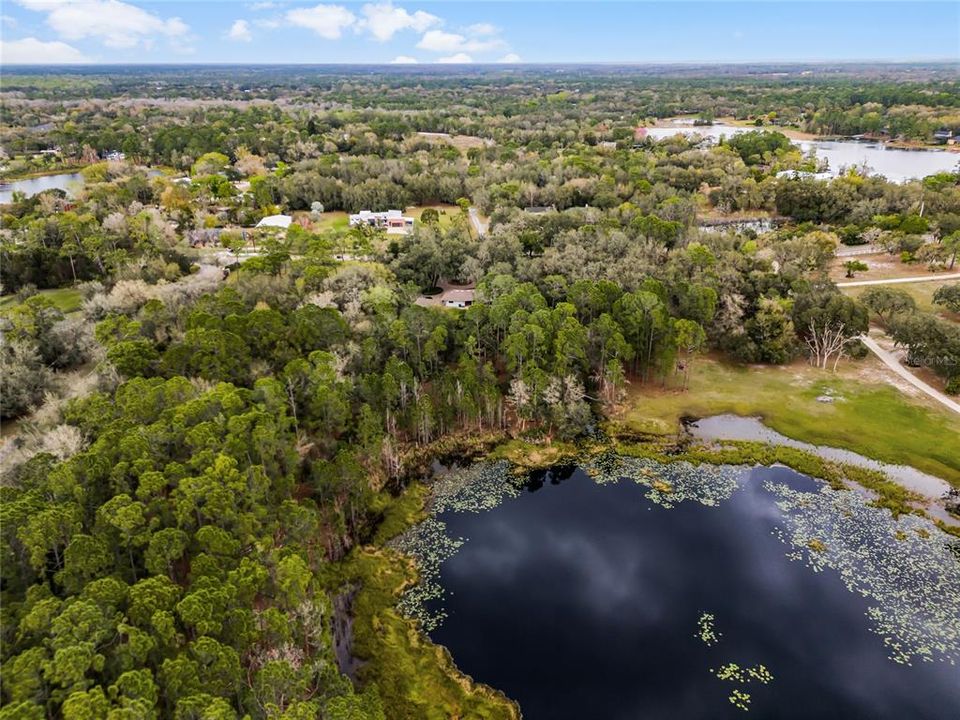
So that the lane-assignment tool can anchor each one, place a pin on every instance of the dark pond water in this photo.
(582, 601)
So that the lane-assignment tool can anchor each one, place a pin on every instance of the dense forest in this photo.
(202, 447)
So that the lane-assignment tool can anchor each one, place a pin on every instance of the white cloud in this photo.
(383, 20)
(268, 24)
(262, 5)
(327, 21)
(442, 41)
(240, 31)
(459, 58)
(30, 51)
(510, 58)
(482, 29)
(117, 24)
(7, 21)
(404, 60)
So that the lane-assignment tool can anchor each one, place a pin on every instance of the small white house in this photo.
(275, 221)
(459, 298)
(393, 221)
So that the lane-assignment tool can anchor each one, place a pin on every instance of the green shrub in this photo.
(953, 386)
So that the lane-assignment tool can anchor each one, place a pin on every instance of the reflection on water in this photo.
(32, 186)
(68, 182)
(894, 164)
(734, 427)
(582, 600)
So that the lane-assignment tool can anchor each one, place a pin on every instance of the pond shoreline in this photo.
(794, 133)
(34, 174)
(899, 164)
(475, 490)
(376, 576)
(728, 427)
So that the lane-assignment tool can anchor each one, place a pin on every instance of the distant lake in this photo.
(623, 601)
(67, 182)
(32, 186)
(895, 164)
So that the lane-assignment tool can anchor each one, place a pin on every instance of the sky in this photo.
(250, 31)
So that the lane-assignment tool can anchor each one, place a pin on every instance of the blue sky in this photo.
(126, 31)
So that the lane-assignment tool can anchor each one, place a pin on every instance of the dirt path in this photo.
(897, 281)
(478, 224)
(892, 362)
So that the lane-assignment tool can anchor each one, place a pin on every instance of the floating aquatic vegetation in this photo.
(476, 488)
(485, 485)
(740, 699)
(707, 630)
(816, 545)
(904, 567)
(732, 672)
(429, 544)
(662, 486)
(481, 486)
(671, 483)
(760, 674)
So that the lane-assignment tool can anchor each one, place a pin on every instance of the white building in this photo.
(459, 298)
(393, 221)
(275, 221)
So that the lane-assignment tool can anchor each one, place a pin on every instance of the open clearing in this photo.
(460, 142)
(921, 292)
(66, 299)
(869, 415)
(884, 267)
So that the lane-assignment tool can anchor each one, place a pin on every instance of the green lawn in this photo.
(447, 213)
(921, 292)
(873, 418)
(67, 299)
(333, 220)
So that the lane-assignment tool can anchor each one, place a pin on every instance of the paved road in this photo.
(478, 224)
(897, 281)
(892, 362)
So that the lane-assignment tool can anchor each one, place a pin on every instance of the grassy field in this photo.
(872, 418)
(334, 220)
(447, 213)
(921, 292)
(66, 299)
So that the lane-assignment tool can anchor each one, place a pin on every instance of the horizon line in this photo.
(568, 63)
